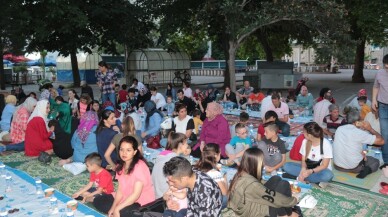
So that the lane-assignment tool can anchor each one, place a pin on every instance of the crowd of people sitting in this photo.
(107, 139)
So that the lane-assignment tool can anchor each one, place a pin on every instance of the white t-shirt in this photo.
(188, 92)
(215, 175)
(267, 101)
(315, 152)
(347, 147)
(159, 100)
(136, 120)
(374, 123)
(321, 109)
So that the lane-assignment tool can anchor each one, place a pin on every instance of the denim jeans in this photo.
(284, 127)
(110, 96)
(383, 116)
(15, 147)
(325, 175)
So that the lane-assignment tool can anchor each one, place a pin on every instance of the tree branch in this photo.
(244, 36)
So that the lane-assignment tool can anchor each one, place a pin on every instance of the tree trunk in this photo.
(126, 72)
(225, 48)
(231, 65)
(358, 74)
(74, 67)
(263, 38)
(2, 75)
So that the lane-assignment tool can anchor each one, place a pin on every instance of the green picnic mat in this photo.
(350, 178)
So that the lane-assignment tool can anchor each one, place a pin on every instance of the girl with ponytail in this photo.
(316, 154)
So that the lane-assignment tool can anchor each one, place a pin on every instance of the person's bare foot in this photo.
(64, 161)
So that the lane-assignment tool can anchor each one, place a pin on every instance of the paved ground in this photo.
(343, 89)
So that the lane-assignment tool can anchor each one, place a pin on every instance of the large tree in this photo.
(369, 23)
(232, 22)
(12, 35)
(61, 26)
(69, 26)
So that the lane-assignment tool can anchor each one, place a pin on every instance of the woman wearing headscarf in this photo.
(37, 132)
(84, 138)
(153, 120)
(19, 125)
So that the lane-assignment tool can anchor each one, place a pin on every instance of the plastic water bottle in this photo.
(8, 183)
(2, 169)
(70, 214)
(38, 186)
(169, 111)
(191, 160)
(307, 112)
(3, 212)
(280, 172)
(144, 146)
(238, 108)
(53, 205)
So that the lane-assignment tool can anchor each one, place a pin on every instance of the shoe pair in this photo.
(384, 188)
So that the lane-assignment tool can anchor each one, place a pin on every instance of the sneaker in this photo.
(323, 184)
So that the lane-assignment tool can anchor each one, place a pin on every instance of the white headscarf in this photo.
(40, 110)
(29, 104)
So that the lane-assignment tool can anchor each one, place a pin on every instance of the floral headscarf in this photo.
(87, 122)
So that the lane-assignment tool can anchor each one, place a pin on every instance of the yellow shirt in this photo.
(197, 122)
(365, 109)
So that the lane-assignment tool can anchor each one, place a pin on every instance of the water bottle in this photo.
(70, 214)
(38, 186)
(191, 160)
(251, 129)
(280, 172)
(8, 183)
(238, 108)
(2, 169)
(53, 205)
(307, 112)
(169, 110)
(3, 212)
(144, 146)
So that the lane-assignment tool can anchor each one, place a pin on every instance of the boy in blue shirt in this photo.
(238, 144)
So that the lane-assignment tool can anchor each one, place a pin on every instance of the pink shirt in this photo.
(381, 82)
(281, 111)
(142, 174)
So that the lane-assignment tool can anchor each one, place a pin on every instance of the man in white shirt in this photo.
(321, 109)
(348, 152)
(266, 103)
(282, 111)
(138, 86)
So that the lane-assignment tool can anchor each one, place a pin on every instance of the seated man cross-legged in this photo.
(349, 140)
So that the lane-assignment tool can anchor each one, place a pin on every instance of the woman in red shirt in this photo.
(37, 132)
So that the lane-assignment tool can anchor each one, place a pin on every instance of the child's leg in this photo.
(230, 150)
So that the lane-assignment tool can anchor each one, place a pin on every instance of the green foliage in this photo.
(251, 50)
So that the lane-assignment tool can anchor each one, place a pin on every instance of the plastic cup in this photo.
(48, 192)
(72, 204)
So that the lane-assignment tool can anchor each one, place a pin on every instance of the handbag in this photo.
(312, 164)
(154, 208)
(44, 157)
(154, 142)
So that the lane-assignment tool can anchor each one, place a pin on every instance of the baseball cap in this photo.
(362, 92)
